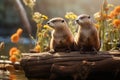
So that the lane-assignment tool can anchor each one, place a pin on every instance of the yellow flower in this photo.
(36, 16)
(29, 3)
(13, 58)
(37, 48)
(39, 25)
(19, 31)
(47, 27)
(15, 38)
(116, 23)
(97, 16)
(70, 15)
(44, 17)
(110, 5)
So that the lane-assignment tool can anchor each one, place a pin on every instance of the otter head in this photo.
(57, 23)
(83, 19)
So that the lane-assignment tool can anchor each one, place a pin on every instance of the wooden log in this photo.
(5, 63)
(106, 64)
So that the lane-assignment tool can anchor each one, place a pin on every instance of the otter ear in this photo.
(62, 21)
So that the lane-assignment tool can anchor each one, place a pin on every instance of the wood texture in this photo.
(104, 65)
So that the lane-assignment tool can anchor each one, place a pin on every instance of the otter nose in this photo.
(77, 20)
(48, 23)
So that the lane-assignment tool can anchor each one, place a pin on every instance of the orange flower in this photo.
(97, 26)
(19, 31)
(13, 58)
(105, 16)
(117, 9)
(112, 14)
(37, 48)
(115, 12)
(12, 51)
(12, 77)
(116, 22)
(109, 17)
(15, 38)
(16, 53)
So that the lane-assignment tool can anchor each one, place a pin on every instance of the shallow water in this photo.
(17, 75)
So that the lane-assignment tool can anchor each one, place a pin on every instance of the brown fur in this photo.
(62, 38)
(87, 36)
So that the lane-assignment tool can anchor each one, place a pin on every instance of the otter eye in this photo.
(62, 21)
(53, 21)
(81, 17)
(89, 17)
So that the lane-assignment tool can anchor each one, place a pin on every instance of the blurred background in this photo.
(10, 19)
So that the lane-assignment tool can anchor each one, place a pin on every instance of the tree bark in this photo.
(105, 65)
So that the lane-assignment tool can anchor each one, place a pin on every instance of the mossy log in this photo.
(101, 66)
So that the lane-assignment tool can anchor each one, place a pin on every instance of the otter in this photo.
(61, 37)
(87, 38)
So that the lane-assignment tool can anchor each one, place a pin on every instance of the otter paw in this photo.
(52, 51)
(95, 52)
(67, 51)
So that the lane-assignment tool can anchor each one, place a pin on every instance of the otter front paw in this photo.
(68, 51)
(52, 51)
(95, 51)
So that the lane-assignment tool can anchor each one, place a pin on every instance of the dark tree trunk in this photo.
(23, 15)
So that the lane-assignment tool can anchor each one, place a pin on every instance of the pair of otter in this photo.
(87, 38)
